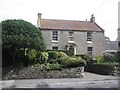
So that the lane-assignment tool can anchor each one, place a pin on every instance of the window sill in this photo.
(55, 41)
(89, 42)
(70, 41)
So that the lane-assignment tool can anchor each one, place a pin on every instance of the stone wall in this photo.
(36, 73)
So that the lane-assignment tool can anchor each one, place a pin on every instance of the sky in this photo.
(105, 11)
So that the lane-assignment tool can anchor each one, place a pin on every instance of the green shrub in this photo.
(43, 58)
(17, 34)
(73, 62)
(32, 54)
(53, 54)
(62, 54)
(79, 55)
(100, 59)
(61, 57)
(105, 68)
(67, 52)
(48, 66)
(86, 57)
(108, 57)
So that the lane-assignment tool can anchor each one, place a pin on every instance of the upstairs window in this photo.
(89, 36)
(71, 36)
(55, 36)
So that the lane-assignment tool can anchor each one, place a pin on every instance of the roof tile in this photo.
(69, 25)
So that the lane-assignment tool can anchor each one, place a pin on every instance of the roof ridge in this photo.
(64, 20)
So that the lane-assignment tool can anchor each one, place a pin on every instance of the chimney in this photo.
(92, 19)
(39, 20)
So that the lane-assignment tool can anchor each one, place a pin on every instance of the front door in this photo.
(73, 48)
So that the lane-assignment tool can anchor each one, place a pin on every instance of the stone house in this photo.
(111, 47)
(84, 37)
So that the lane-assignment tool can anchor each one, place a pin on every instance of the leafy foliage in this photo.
(18, 35)
(48, 66)
(52, 54)
(32, 54)
(73, 62)
(108, 57)
(21, 34)
(86, 57)
(100, 59)
(43, 58)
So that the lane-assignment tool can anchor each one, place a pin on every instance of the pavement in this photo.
(90, 80)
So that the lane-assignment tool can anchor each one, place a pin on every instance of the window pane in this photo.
(54, 48)
(89, 50)
(71, 48)
(89, 36)
(55, 35)
(70, 38)
(71, 34)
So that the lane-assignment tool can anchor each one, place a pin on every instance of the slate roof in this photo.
(53, 24)
(112, 45)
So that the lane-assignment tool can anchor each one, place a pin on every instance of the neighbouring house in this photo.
(84, 37)
(111, 46)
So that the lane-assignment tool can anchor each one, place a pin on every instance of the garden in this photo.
(24, 56)
(106, 64)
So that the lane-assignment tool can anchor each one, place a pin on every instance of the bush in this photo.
(61, 57)
(79, 55)
(53, 54)
(86, 57)
(17, 34)
(43, 58)
(48, 66)
(108, 57)
(100, 59)
(21, 60)
(67, 52)
(73, 62)
(32, 54)
(105, 68)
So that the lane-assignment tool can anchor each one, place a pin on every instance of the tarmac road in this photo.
(89, 82)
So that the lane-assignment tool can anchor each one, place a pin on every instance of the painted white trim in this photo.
(54, 41)
(89, 41)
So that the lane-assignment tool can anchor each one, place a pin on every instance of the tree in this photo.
(17, 34)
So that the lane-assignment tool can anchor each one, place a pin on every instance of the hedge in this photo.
(105, 68)
(68, 52)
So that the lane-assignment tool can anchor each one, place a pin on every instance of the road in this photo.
(89, 82)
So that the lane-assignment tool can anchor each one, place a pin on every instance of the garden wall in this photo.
(104, 69)
(36, 73)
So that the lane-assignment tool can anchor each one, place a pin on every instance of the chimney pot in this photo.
(39, 20)
(92, 19)
(39, 15)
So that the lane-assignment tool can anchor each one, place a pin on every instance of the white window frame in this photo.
(71, 36)
(55, 47)
(54, 36)
(90, 50)
(89, 37)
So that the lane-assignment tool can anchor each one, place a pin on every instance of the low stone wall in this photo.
(36, 73)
